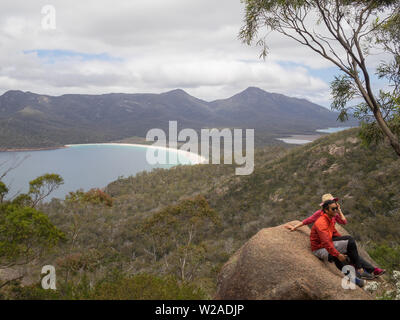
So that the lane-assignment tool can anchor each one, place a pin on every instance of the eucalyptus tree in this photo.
(26, 233)
(174, 234)
(344, 32)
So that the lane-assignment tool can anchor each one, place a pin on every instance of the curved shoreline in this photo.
(194, 158)
(31, 149)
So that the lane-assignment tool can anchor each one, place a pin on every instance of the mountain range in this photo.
(29, 120)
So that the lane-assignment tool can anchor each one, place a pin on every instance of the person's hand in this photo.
(338, 206)
(341, 257)
(291, 228)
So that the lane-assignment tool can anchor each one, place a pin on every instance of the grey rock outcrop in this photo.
(277, 264)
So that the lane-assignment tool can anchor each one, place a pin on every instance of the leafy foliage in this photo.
(177, 227)
(138, 287)
(3, 191)
(148, 287)
(93, 196)
(43, 186)
(25, 233)
(345, 33)
(387, 256)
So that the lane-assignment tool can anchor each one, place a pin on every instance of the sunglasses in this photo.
(334, 208)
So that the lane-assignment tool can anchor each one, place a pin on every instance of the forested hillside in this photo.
(186, 222)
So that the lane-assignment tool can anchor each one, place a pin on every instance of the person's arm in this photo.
(326, 240)
(294, 228)
(340, 218)
(309, 220)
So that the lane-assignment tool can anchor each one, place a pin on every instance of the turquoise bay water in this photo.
(81, 166)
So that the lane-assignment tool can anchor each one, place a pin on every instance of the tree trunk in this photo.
(394, 141)
(370, 99)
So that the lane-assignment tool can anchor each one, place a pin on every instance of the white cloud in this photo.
(163, 44)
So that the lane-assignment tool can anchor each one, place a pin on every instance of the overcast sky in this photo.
(103, 46)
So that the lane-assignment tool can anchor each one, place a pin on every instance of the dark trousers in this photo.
(352, 253)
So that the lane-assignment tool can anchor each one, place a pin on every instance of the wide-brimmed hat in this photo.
(326, 197)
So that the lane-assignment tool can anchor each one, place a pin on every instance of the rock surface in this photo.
(277, 264)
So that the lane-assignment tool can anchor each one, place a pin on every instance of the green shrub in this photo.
(387, 257)
(147, 287)
(138, 287)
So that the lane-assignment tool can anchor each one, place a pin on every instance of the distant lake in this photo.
(291, 140)
(304, 138)
(333, 130)
(81, 166)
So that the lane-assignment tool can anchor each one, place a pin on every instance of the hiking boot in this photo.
(365, 275)
(359, 282)
(378, 272)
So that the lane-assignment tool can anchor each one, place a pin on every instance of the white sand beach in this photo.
(191, 156)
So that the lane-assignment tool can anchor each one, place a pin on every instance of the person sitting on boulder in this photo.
(370, 272)
(339, 217)
(328, 244)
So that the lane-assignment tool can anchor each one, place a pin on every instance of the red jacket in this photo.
(321, 235)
